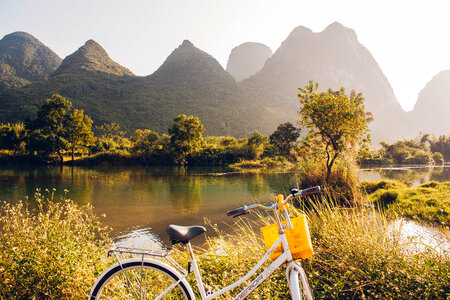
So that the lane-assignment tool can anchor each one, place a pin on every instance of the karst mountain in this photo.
(258, 91)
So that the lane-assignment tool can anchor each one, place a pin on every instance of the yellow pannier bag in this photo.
(298, 238)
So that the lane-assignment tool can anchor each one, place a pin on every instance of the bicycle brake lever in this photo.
(242, 213)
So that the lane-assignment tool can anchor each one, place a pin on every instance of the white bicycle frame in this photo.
(293, 272)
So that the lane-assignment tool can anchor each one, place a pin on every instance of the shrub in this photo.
(372, 186)
(342, 184)
(387, 197)
(52, 252)
(438, 158)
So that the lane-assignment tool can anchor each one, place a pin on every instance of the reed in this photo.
(358, 255)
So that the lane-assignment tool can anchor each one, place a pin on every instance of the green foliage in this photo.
(358, 255)
(78, 131)
(336, 122)
(186, 136)
(257, 143)
(284, 137)
(12, 137)
(438, 158)
(407, 152)
(441, 145)
(53, 252)
(428, 202)
(57, 129)
(144, 141)
(110, 131)
(48, 131)
(277, 163)
(372, 186)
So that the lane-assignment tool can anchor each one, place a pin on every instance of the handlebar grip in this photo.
(311, 191)
(237, 211)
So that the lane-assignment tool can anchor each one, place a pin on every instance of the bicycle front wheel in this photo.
(137, 279)
(299, 285)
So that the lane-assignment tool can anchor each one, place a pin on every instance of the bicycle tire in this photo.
(299, 285)
(307, 291)
(125, 280)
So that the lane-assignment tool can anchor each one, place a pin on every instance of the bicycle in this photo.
(163, 278)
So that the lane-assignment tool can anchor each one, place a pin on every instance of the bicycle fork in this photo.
(293, 272)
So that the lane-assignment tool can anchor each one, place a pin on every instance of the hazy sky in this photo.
(410, 40)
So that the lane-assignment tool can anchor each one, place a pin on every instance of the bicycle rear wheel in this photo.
(137, 279)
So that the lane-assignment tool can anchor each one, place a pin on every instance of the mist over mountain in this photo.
(24, 59)
(431, 112)
(247, 59)
(192, 82)
(333, 58)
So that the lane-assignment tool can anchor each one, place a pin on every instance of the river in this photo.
(139, 202)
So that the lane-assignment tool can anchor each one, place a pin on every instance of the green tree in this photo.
(49, 126)
(336, 121)
(186, 136)
(284, 137)
(257, 143)
(144, 141)
(110, 131)
(78, 131)
(12, 137)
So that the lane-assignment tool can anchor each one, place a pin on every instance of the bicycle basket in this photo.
(298, 238)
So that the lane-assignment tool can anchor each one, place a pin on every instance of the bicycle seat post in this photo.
(198, 276)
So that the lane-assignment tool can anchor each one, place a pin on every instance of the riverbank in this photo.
(429, 202)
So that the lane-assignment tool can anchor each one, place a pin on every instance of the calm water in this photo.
(140, 202)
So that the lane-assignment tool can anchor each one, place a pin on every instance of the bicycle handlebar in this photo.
(294, 194)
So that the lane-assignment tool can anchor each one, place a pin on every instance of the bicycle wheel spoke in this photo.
(141, 283)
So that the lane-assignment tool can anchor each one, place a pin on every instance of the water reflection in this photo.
(185, 194)
(420, 238)
(139, 202)
(411, 175)
(143, 238)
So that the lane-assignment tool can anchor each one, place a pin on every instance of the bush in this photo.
(52, 252)
(438, 158)
(342, 184)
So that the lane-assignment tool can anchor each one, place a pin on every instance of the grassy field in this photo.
(429, 202)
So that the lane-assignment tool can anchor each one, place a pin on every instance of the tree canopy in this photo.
(336, 121)
(57, 129)
(284, 137)
(186, 136)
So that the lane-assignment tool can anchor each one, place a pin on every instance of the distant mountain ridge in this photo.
(247, 59)
(24, 59)
(431, 112)
(333, 58)
(191, 81)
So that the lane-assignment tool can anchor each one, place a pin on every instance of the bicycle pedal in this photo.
(208, 290)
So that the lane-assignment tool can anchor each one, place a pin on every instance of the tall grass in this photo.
(358, 255)
(52, 252)
(342, 186)
(58, 250)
